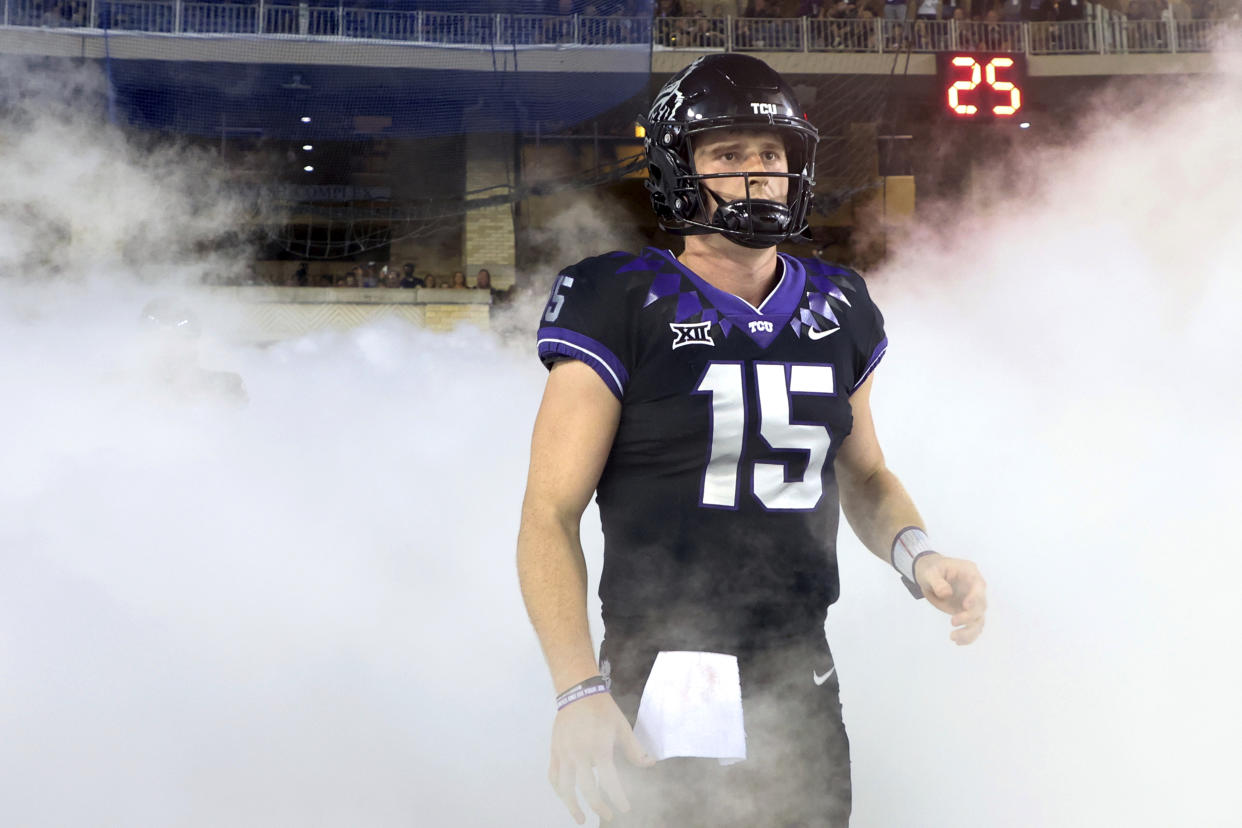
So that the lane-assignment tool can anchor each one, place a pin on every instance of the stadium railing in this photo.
(1104, 32)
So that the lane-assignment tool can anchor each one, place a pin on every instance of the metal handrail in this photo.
(1103, 32)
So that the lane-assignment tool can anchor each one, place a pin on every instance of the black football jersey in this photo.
(718, 499)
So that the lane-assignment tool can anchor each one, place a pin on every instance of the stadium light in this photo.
(306, 119)
(308, 168)
(307, 147)
(1024, 125)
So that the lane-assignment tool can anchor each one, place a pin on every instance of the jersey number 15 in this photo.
(775, 383)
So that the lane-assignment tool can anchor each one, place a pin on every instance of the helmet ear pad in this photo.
(680, 201)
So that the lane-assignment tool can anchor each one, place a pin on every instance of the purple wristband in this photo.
(593, 685)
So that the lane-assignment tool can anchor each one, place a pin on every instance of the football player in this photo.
(717, 403)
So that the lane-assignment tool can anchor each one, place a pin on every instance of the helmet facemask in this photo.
(746, 218)
(751, 215)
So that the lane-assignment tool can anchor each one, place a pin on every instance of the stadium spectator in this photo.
(929, 10)
(483, 281)
(995, 37)
(704, 33)
(965, 29)
(894, 10)
(459, 281)
(301, 276)
(866, 30)
(668, 15)
(407, 272)
(1010, 10)
(429, 281)
(837, 31)
(895, 37)
(409, 280)
(368, 277)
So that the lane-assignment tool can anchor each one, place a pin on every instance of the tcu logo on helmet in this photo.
(760, 325)
(763, 108)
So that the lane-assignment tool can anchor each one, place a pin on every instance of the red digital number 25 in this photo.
(977, 74)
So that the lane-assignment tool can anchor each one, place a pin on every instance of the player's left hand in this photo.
(955, 587)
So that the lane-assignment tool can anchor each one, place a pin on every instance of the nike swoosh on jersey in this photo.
(814, 334)
(821, 679)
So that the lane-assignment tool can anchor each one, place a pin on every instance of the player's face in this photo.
(754, 151)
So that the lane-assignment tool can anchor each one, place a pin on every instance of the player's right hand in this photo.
(584, 737)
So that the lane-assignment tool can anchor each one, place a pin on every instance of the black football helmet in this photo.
(716, 92)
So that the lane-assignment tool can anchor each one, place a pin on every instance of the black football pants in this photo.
(797, 770)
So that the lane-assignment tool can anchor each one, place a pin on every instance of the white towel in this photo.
(692, 706)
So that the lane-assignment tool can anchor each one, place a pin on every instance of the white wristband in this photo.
(910, 544)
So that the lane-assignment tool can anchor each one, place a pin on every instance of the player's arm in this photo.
(878, 508)
(573, 433)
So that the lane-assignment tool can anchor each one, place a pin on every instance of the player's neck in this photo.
(746, 273)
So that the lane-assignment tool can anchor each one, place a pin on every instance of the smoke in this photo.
(304, 611)
(298, 611)
(1061, 397)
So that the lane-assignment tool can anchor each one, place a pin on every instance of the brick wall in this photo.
(488, 234)
(447, 317)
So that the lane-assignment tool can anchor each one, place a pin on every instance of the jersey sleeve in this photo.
(586, 319)
(867, 331)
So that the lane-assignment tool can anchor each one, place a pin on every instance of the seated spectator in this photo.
(834, 30)
(459, 281)
(667, 14)
(350, 280)
(703, 33)
(995, 37)
(408, 279)
(483, 281)
(367, 278)
(965, 29)
(865, 40)
(429, 281)
(301, 276)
